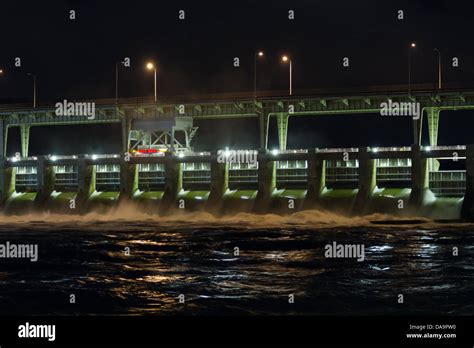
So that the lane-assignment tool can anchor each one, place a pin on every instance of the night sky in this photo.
(75, 59)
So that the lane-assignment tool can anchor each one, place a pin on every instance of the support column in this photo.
(467, 210)
(266, 182)
(128, 179)
(282, 125)
(316, 174)
(2, 138)
(3, 180)
(416, 130)
(433, 124)
(173, 181)
(126, 126)
(25, 139)
(7, 180)
(44, 180)
(367, 181)
(5, 140)
(263, 119)
(219, 184)
(172, 147)
(85, 183)
(419, 179)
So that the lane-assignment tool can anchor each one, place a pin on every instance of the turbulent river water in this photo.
(194, 255)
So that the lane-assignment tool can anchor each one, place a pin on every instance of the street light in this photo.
(34, 89)
(151, 66)
(287, 59)
(412, 45)
(1, 71)
(439, 68)
(257, 55)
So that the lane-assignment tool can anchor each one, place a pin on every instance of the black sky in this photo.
(75, 59)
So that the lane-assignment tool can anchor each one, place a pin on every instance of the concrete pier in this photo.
(316, 179)
(266, 182)
(85, 182)
(420, 179)
(467, 211)
(219, 184)
(367, 181)
(45, 181)
(173, 183)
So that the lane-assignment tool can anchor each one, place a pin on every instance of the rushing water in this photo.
(88, 259)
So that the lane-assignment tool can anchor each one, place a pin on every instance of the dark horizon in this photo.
(75, 59)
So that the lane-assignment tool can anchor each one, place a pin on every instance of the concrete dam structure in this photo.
(159, 172)
(398, 181)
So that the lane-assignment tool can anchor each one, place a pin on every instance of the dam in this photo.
(403, 181)
(159, 172)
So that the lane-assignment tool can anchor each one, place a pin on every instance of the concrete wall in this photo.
(266, 195)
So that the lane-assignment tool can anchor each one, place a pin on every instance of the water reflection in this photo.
(201, 265)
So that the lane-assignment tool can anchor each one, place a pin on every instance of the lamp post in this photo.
(412, 45)
(439, 68)
(34, 89)
(256, 56)
(287, 59)
(151, 66)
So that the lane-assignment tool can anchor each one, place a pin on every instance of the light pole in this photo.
(287, 59)
(34, 89)
(257, 54)
(151, 66)
(439, 68)
(412, 45)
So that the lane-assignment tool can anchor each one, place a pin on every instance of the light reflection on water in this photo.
(200, 264)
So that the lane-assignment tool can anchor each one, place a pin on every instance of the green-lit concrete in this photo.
(62, 202)
(443, 208)
(338, 200)
(393, 201)
(147, 201)
(420, 194)
(287, 201)
(20, 203)
(316, 174)
(467, 210)
(192, 200)
(102, 201)
(238, 200)
(219, 185)
(173, 184)
(347, 191)
(367, 181)
(266, 183)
